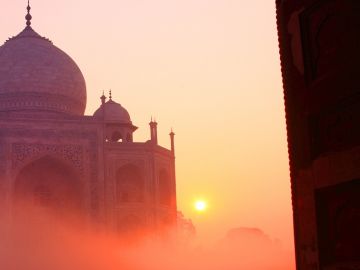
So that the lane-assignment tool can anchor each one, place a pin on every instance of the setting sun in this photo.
(200, 206)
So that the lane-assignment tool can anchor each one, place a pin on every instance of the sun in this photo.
(200, 206)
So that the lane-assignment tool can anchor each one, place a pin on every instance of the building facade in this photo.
(52, 156)
(319, 47)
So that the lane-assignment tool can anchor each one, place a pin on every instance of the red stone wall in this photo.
(320, 54)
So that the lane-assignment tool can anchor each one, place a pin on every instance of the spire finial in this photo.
(28, 16)
(103, 98)
(110, 95)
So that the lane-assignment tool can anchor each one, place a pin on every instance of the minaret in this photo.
(153, 131)
(103, 98)
(172, 136)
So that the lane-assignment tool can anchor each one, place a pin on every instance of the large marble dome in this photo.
(36, 76)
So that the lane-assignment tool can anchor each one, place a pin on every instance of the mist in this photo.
(39, 240)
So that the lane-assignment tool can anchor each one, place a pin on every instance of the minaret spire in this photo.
(103, 98)
(28, 16)
(153, 131)
(172, 135)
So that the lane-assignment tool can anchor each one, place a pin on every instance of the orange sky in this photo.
(209, 69)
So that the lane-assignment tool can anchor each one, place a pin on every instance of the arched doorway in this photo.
(47, 185)
(129, 184)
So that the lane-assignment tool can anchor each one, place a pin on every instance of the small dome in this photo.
(35, 75)
(114, 112)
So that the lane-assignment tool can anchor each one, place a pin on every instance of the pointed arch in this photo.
(48, 183)
(129, 184)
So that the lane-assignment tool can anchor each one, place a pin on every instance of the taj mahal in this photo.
(52, 156)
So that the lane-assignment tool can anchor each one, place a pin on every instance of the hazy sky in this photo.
(209, 69)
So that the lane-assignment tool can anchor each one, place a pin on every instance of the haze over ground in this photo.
(43, 241)
(209, 69)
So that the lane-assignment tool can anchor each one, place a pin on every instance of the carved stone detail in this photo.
(83, 157)
(21, 152)
(38, 102)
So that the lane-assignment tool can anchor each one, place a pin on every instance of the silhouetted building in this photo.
(52, 156)
(320, 56)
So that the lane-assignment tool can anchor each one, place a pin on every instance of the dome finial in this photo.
(28, 16)
(110, 95)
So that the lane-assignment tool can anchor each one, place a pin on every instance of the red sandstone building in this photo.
(320, 55)
(53, 156)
